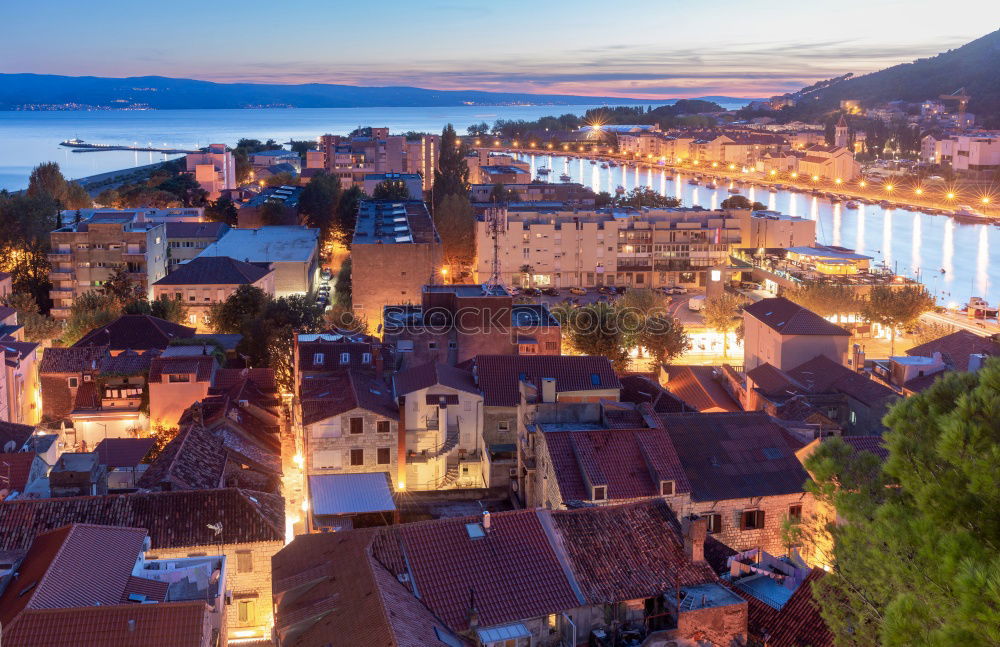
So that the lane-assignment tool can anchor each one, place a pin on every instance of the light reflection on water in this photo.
(914, 244)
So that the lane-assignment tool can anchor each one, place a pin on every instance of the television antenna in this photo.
(496, 224)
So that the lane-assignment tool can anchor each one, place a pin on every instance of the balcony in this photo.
(60, 275)
(133, 254)
(59, 255)
(58, 294)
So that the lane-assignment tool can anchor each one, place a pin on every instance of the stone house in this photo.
(784, 334)
(247, 527)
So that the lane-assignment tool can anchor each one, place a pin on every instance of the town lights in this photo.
(478, 142)
(532, 144)
(986, 200)
(496, 143)
(889, 188)
(815, 178)
(862, 184)
(839, 181)
(794, 175)
(773, 172)
(696, 162)
(732, 166)
(715, 164)
(950, 195)
(918, 191)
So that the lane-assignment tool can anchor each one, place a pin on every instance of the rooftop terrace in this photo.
(386, 222)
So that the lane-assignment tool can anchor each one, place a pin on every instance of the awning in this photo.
(338, 494)
(504, 632)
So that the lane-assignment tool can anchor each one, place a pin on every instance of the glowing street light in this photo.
(986, 200)
(839, 181)
(950, 195)
(918, 191)
(862, 184)
(715, 164)
(732, 166)
(794, 175)
(889, 188)
(815, 178)
(773, 172)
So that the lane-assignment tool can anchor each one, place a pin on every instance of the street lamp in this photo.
(950, 195)
(889, 188)
(862, 184)
(444, 274)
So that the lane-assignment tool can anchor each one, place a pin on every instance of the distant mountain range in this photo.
(974, 66)
(44, 91)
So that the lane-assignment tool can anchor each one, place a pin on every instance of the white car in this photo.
(696, 304)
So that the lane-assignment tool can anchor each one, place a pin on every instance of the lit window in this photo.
(345, 358)
(317, 358)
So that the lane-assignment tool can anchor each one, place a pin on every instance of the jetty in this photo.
(80, 146)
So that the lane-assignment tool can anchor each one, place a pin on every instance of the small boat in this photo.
(711, 185)
(620, 190)
(885, 204)
(564, 178)
(604, 165)
(772, 190)
(851, 204)
(734, 190)
(593, 161)
(541, 170)
(693, 182)
(72, 142)
(967, 214)
(612, 164)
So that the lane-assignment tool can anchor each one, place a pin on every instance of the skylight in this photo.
(475, 530)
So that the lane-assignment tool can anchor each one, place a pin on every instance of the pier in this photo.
(79, 146)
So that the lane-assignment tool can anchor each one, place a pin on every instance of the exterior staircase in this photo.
(450, 443)
(450, 475)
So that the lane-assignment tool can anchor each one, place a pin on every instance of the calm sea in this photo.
(28, 138)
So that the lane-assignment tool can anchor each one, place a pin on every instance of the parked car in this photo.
(552, 292)
(696, 304)
(620, 289)
(604, 289)
(578, 291)
(679, 290)
(531, 292)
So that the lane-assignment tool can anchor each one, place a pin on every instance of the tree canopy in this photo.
(455, 222)
(917, 554)
(896, 308)
(723, 313)
(742, 202)
(452, 174)
(826, 299)
(391, 190)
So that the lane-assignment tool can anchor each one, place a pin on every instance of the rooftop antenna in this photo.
(496, 223)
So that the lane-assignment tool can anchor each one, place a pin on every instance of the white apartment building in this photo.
(644, 248)
(972, 152)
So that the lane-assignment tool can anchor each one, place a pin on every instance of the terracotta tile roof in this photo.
(194, 460)
(797, 624)
(127, 363)
(323, 397)
(215, 270)
(135, 332)
(872, 444)
(427, 375)
(87, 397)
(12, 432)
(262, 378)
(175, 624)
(74, 359)
(173, 519)
(697, 387)
(631, 462)
(823, 375)
(637, 389)
(735, 455)
(499, 375)
(328, 584)
(15, 470)
(79, 565)
(123, 452)
(772, 381)
(790, 318)
(199, 365)
(514, 572)
(956, 348)
(611, 564)
(152, 589)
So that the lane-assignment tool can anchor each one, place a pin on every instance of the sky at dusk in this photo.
(654, 50)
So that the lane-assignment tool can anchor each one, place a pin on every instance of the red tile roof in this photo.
(956, 348)
(209, 230)
(500, 375)
(262, 378)
(75, 359)
(735, 455)
(331, 355)
(427, 375)
(772, 381)
(637, 389)
(200, 366)
(697, 387)
(513, 572)
(797, 624)
(80, 565)
(631, 462)
(328, 584)
(823, 375)
(194, 460)
(871, 444)
(151, 589)
(173, 519)
(326, 396)
(627, 552)
(136, 332)
(215, 270)
(123, 452)
(175, 624)
(790, 318)
(15, 470)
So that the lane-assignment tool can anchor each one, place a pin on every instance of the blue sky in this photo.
(636, 48)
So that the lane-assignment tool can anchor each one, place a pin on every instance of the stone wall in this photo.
(775, 513)
(334, 435)
(252, 585)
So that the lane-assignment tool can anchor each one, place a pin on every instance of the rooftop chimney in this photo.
(548, 389)
(695, 530)
(976, 362)
(131, 626)
(486, 521)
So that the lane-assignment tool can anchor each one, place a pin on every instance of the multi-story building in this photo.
(252, 212)
(214, 169)
(828, 162)
(784, 334)
(352, 158)
(413, 182)
(454, 323)
(395, 252)
(266, 159)
(168, 214)
(565, 192)
(292, 252)
(972, 152)
(84, 255)
(204, 281)
(642, 248)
